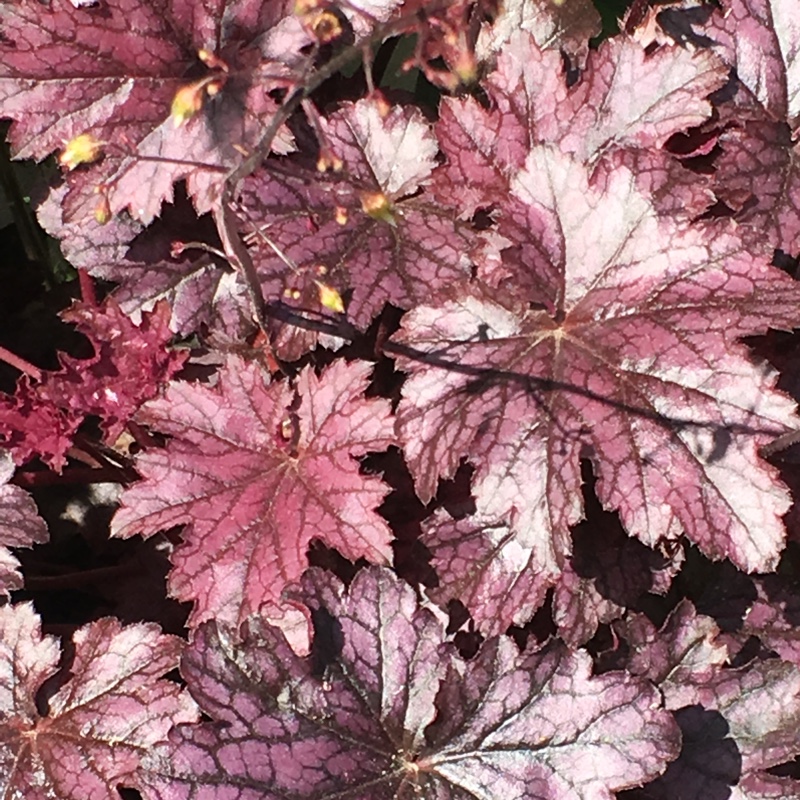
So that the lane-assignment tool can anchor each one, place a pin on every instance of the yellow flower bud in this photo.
(377, 205)
(326, 26)
(329, 298)
(82, 149)
(187, 102)
(188, 99)
(102, 211)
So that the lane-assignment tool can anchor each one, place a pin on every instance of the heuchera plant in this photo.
(437, 356)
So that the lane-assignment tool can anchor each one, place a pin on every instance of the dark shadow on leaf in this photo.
(484, 377)
(330, 559)
(786, 262)
(328, 641)
(620, 566)
(679, 24)
(722, 440)
(708, 767)
(454, 495)
(717, 589)
(727, 92)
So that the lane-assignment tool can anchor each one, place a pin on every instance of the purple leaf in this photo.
(201, 291)
(483, 566)
(736, 723)
(757, 176)
(632, 359)
(116, 68)
(398, 714)
(369, 231)
(566, 27)
(625, 101)
(684, 651)
(607, 573)
(760, 39)
(740, 724)
(773, 617)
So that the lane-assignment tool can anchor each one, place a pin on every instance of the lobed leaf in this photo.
(115, 68)
(398, 714)
(369, 231)
(114, 707)
(619, 344)
(20, 525)
(257, 471)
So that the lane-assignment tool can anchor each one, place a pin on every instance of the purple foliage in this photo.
(438, 355)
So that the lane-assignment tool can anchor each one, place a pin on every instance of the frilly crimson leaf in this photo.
(129, 365)
(256, 472)
(114, 707)
(397, 713)
(31, 427)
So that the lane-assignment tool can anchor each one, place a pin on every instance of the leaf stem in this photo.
(20, 363)
(235, 251)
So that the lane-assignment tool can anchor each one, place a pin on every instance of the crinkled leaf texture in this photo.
(565, 26)
(116, 66)
(758, 172)
(623, 348)
(129, 365)
(201, 292)
(761, 40)
(113, 708)
(685, 651)
(773, 616)
(31, 427)
(399, 714)
(257, 471)
(604, 575)
(20, 525)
